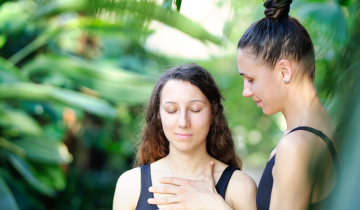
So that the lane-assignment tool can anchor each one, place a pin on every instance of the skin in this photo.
(310, 176)
(186, 118)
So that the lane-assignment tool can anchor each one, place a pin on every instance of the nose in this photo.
(184, 121)
(247, 89)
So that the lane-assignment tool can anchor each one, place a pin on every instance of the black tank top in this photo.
(146, 183)
(263, 195)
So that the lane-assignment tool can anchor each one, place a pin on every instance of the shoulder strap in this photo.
(145, 184)
(224, 180)
(328, 142)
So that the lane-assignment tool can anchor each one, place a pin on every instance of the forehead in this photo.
(247, 64)
(180, 91)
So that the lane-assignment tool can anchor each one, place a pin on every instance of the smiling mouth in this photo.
(183, 136)
(258, 102)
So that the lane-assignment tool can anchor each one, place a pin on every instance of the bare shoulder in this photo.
(298, 154)
(241, 183)
(129, 178)
(127, 190)
(300, 145)
(242, 191)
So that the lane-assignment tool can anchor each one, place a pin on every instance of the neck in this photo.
(187, 165)
(302, 104)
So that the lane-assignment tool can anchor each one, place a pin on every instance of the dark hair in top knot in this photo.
(279, 36)
(277, 8)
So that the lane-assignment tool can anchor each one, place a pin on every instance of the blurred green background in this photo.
(75, 75)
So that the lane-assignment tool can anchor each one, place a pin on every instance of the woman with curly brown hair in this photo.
(276, 59)
(185, 128)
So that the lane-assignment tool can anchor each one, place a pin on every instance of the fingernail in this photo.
(212, 163)
(151, 188)
(160, 179)
(150, 200)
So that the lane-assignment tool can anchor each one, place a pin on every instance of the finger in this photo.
(164, 200)
(209, 175)
(164, 189)
(172, 207)
(209, 171)
(173, 181)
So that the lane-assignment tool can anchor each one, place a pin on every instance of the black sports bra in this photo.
(263, 195)
(146, 183)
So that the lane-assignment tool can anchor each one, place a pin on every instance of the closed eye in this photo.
(195, 111)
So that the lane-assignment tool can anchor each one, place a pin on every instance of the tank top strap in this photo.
(224, 180)
(328, 142)
(144, 191)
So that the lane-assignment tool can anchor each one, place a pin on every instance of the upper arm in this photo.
(292, 175)
(241, 191)
(127, 190)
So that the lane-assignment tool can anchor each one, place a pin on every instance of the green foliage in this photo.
(27, 172)
(73, 77)
(6, 197)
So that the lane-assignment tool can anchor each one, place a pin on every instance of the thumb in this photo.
(209, 171)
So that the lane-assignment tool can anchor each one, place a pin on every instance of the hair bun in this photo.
(277, 8)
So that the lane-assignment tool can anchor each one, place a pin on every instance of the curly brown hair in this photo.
(219, 142)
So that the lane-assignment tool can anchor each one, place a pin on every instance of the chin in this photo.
(269, 112)
(186, 147)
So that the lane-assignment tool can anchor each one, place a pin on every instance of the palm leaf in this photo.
(146, 9)
(29, 91)
(44, 151)
(7, 200)
(26, 171)
(112, 83)
(17, 122)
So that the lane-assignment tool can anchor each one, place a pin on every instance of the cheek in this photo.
(168, 121)
(202, 121)
(264, 89)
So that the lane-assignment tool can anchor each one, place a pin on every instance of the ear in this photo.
(285, 70)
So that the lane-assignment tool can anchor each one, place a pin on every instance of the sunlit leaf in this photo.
(8, 67)
(7, 200)
(83, 68)
(26, 171)
(2, 40)
(52, 175)
(20, 123)
(112, 83)
(8, 145)
(147, 9)
(29, 91)
(173, 19)
(103, 27)
(14, 15)
(45, 151)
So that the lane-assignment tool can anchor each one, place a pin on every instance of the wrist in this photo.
(222, 203)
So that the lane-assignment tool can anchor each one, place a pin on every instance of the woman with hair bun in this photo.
(185, 128)
(276, 59)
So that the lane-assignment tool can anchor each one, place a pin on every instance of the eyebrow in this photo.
(195, 100)
(244, 74)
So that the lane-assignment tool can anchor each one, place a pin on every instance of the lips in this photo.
(258, 102)
(183, 135)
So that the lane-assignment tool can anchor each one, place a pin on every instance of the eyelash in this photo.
(196, 111)
(250, 80)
